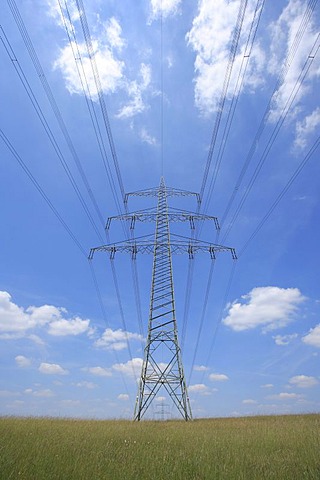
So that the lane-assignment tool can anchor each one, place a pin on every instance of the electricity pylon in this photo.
(162, 364)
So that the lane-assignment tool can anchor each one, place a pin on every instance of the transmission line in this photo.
(236, 94)
(203, 314)
(280, 80)
(91, 54)
(73, 42)
(37, 65)
(275, 132)
(223, 96)
(281, 194)
(46, 126)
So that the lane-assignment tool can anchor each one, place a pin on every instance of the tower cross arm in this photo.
(147, 245)
(173, 215)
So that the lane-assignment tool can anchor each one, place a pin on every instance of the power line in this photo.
(203, 314)
(223, 96)
(73, 42)
(41, 191)
(275, 132)
(91, 54)
(280, 80)
(281, 194)
(236, 94)
(46, 126)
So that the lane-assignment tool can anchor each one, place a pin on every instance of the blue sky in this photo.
(259, 341)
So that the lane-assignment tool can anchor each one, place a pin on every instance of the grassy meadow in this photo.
(278, 447)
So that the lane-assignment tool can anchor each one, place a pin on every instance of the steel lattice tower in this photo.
(162, 364)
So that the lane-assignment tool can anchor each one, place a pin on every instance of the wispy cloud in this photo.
(284, 339)
(147, 138)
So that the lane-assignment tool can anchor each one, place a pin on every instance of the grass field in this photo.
(279, 447)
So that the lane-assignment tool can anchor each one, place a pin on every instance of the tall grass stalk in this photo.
(279, 447)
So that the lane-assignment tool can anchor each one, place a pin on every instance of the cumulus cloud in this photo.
(282, 34)
(313, 337)
(16, 321)
(130, 368)
(286, 396)
(164, 7)
(116, 339)
(303, 381)
(200, 388)
(22, 361)
(200, 368)
(249, 401)
(284, 339)
(160, 399)
(85, 384)
(107, 43)
(52, 369)
(98, 371)
(46, 393)
(123, 397)
(305, 128)
(210, 38)
(266, 307)
(73, 326)
(267, 385)
(218, 377)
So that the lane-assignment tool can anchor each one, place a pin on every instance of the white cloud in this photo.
(16, 321)
(46, 393)
(123, 396)
(147, 138)
(249, 401)
(98, 371)
(160, 399)
(282, 35)
(130, 368)
(85, 384)
(313, 337)
(73, 326)
(52, 369)
(218, 377)
(286, 396)
(266, 307)
(200, 368)
(284, 339)
(267, 385)
(303, 381)
(110, 69)
(116, 339)
(166, 7)
(113, 33)
(210, 38)
(305, 128)
(200, 388)
(22, 361)
(135, 90)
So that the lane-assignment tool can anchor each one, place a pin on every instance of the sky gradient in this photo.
(221, 97)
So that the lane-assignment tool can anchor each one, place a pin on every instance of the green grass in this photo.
(284, 447)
